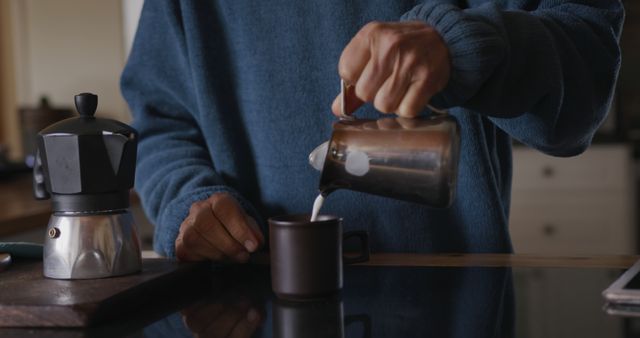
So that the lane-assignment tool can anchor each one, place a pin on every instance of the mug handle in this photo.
(360, 318)
(364, 245)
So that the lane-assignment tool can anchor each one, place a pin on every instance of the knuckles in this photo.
(218, 198)
(196, 225)
(346, 72)
(414, 59)
(238, 230)
(182, 251)
(363, 92)
(390, 40)
(384, 105)
(417, 47)
(190, 238)
(196, 207)
(372, 28)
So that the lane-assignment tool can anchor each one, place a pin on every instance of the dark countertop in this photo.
(398, 295)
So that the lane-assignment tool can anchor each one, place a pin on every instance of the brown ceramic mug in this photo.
(306, 257)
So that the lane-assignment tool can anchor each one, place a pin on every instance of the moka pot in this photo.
(86, 165)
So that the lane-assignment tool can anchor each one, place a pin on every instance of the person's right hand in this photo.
(397, 66)
(218, 229)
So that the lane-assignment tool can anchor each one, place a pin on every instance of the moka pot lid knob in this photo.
(86, 104)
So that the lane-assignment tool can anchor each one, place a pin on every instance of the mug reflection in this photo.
(315, 319)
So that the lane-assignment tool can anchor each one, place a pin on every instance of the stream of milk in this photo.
(317, 204)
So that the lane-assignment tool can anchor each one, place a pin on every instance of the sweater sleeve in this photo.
(174, 168)
(545, 74)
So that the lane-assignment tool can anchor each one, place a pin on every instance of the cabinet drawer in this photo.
(573, 227)
(601, 167)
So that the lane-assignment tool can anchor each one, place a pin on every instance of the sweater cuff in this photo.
(168, 225)
(474, 45)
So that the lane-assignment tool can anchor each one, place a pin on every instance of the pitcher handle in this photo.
(344, 87)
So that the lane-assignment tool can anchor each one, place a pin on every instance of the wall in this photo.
(130, 15)
(61, 48)
(74, 46)
(8, 122)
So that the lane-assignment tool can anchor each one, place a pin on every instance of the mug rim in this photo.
(290, 220)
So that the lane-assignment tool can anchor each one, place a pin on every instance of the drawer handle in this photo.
(549, 230)
(548, 171)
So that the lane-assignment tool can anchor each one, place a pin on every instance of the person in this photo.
(229, 98)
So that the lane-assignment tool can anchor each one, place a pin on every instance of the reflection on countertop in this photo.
(398, 295)
(375, 302)
(408, 302)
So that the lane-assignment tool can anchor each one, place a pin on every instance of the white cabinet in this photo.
(578, 205)
(563, 303)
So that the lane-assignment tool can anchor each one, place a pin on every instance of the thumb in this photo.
(255, 229)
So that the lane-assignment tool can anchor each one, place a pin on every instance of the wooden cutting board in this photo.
(27, 299)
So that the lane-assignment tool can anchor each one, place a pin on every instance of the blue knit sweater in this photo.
(233, 95)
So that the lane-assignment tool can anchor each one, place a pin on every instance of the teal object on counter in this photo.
(22, 249)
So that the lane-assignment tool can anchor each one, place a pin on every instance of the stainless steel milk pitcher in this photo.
(407, 159)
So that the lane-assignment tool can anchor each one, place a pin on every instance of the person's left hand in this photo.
(398, 66)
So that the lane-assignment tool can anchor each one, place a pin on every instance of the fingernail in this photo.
(253, 316)
(250, 245)
(243, 256)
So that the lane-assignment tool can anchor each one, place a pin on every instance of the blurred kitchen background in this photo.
(587, 205)
(52, 50)
(49, 52)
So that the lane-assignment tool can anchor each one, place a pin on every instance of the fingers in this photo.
(223, 324)
(211, 227)
(429, 73)
(192, 245)
(355, 55)
(366, 61)
(353, 62)
(414, 100)
(384, 44)
(255, 228)
(391, 93)
(247, 325)
(397, 66)
(197, 318)
(229, 212)
(218, 229)
(238, 320)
